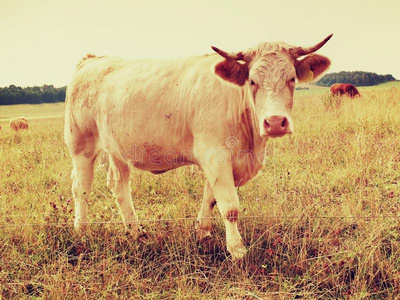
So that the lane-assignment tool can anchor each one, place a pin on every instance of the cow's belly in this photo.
(146, 141)
(151, 154)
(158, 159)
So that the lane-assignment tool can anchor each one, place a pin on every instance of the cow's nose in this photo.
(276, 126)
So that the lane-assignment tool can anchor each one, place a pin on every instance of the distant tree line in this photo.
(357, 78)
(31, 95)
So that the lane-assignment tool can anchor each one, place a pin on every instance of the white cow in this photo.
(215, 111)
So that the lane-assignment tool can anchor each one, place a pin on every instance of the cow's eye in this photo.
(293, 79)
(252, 82)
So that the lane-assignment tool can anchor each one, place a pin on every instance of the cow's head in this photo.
(269, 73)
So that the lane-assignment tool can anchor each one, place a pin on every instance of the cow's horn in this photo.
(300, 51)
(231, 56)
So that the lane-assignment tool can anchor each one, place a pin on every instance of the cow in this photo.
(216, 111)
(339, 89)
(19, 123)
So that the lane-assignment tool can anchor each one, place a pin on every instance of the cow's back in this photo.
(130, 106)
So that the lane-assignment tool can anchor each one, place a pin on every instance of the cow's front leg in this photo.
(205, 213)
(219, 173)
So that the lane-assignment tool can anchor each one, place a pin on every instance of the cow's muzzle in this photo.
(277, 126)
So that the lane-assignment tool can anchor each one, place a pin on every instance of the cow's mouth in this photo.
(277, 135)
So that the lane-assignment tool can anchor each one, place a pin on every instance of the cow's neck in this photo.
(250, 159)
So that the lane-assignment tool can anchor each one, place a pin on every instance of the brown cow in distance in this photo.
(339, 89)
(19, 123)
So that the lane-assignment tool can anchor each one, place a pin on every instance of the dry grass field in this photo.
(321, 222)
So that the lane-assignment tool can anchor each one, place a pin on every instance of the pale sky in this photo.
(41, 41)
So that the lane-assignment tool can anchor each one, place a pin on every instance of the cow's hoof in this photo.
(202, 235)
(207, 246)
(135, 231)
(237, 252)
(80, 227)
(142, 233)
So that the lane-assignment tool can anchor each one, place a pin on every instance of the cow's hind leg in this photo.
(83, 150)
(118, 179)
(205, 213)
(82, 178)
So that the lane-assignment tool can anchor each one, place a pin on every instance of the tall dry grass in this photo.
(321, 222)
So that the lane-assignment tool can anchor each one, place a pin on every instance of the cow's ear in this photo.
(311, 67)
(232, 71)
